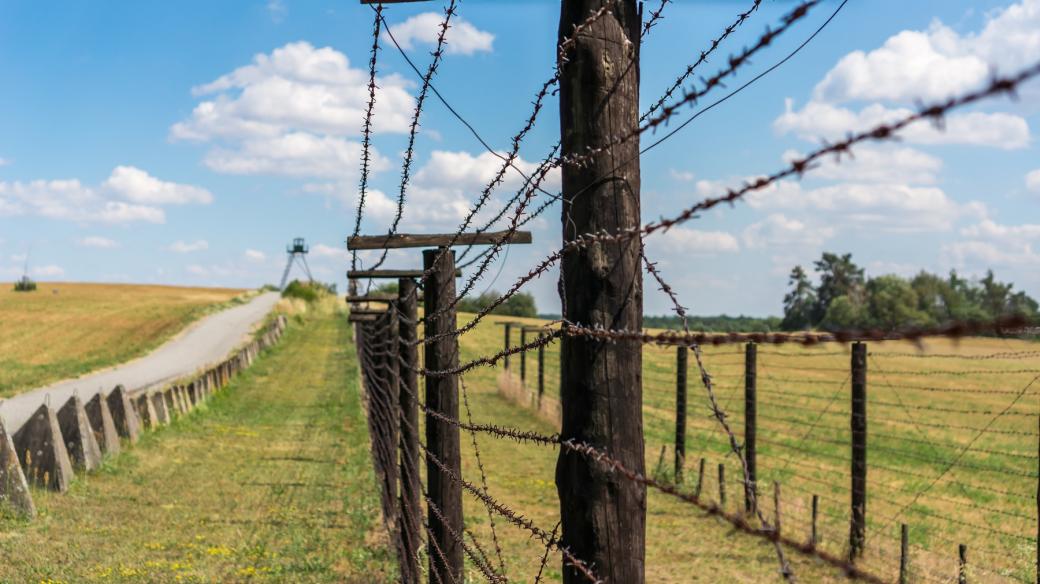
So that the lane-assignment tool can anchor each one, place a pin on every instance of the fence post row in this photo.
(411, 489)
(442, 438)
(681, 360)
(858, 524)
(750, 425)
(505, 361)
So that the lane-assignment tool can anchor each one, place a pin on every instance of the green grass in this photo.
(65, 330)
(270, 481)
(910, 445)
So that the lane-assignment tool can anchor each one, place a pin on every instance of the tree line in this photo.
(845, 298)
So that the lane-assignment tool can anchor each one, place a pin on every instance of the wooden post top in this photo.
(388, 274)
(402, 240)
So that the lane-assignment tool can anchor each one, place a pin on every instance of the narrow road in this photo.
(204, 343)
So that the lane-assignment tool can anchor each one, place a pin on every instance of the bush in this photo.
(308, 291)
(24, 285)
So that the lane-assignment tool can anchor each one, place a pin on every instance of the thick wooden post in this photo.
(411, 492)
(858, 527)
(541, 377)
(722, 486)
(681, 358)
(700, 480)
(523, 356)
(814, 536)
(442, 438)
(603, 514)
(750, 425)
(962, 564)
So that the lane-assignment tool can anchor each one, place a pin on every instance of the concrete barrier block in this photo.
(41, 448)
(123, 414)
(146, 412)
(80, 442)
(101, 423)
(162, 413)
(14, 490)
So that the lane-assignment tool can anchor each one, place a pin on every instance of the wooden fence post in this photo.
(411, 491)
(814, 536)
(442, 397)
(681, 359)
(750, 424)
(603, 515)
(722, 486)
(700, 480)
(541, 374)
(857, 531)
(776, 508)
(523, 357)
(962, 564)
(904, 554)
(505, 346)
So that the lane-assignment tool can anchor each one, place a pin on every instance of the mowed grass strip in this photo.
(64, 330)
(269, 481)
(924, 408)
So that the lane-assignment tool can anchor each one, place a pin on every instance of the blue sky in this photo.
(188, 142)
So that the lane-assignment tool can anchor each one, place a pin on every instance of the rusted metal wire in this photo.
(483, 473)
(366, 129)
(480, 560)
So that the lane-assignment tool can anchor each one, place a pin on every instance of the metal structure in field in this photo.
(297, 251)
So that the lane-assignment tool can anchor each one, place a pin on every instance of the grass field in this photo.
(924, 409)
(270, 481)
(65, 330)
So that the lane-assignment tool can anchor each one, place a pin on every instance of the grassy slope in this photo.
(795, 390)
(271, 481)
(65, 330)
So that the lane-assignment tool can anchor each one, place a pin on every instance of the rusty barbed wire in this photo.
(655, 15)
(480, 560)
(545, 556)
(409, 153)
(743, 16)
(366, 130)
(489, 359)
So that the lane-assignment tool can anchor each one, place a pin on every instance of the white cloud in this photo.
(255, 256)
(136, 185)
(681, 175)
(878, 164)
(982, 255)
(695, 241)
(822, 120)
(1033, 180)
(295, 88)
(295, 154)
(70, 200)
(97, 241)
(49, 271)
(462, 37)
(188, 247)
(779, 230)
(323, 251)
(989, 229)
(4, 161)
(277, 10)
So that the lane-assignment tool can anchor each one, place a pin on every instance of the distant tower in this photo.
(296, 250)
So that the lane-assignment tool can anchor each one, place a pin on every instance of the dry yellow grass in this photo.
(63, 330)
(924, 409)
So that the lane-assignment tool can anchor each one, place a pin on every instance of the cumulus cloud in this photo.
(188, 247)
(694, 241)
(462, 37)
(97, 241)
(879, 165)
(296, 154)
(1033, 180)
(778, 230)
(255, 256)
(49, 271)
(136, 185)
(823, 120)
(323, 251)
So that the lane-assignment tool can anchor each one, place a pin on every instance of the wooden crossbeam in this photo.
(402, 240)
(361, 318)
(367, 312)
(376, 297)
(388, 274)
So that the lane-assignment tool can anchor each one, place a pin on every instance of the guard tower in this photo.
(297, 251)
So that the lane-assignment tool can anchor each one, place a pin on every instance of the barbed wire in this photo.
(483, 474)
(366, 129)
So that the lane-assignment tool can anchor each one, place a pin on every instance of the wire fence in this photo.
(848, 447)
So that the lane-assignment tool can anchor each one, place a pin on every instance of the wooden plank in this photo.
(403, 240)
(361, 318)
(377, 297)
(362, 312)
(388, 274)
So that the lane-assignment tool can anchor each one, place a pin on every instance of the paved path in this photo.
(203, 343)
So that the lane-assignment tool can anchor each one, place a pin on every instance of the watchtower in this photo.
(297, 251)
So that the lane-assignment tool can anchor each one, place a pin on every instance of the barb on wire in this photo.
(479, 559)
(483, 474)
(655, 16)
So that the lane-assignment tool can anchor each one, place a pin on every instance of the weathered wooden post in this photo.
(857, 531)
(523, 356)
(505, 345)
(814, 536)
(603, 515)
(442, 397)
(700, 480)
(411, 487)
(904, 554)
(541, 377)
(750, 425)
(681, 358)
(962, 564)
(722, 486)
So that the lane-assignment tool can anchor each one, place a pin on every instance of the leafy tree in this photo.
(892, 303)
(799, 302)
(843, 313)
(839, 276)
(521, 304)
